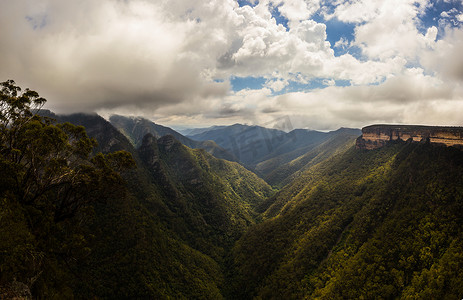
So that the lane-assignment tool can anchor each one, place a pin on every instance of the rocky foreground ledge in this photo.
(376, 136)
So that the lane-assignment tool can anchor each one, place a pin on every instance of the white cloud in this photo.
(411, 97)
(444, 14)
(386, 29)
(162, 59)
(408, 98)
(107, 54)
(446, 59)
(297, 10)
(356, 11)
(277, 85)
(342, 43)
(330, 82)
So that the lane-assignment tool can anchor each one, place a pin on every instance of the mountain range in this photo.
(289, 215)
(273, 154)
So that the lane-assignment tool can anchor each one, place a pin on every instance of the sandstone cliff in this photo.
(376, 136)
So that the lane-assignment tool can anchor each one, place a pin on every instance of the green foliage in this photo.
(364, 224)
(169, 236)
(49, 183)
(354, 224)
(215, 198)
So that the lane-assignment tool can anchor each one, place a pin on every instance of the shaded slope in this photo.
(214, 197)
(167, 236)
(377, 224)
(280, 170)
(135, 253)
(108, 137)
(114, 247)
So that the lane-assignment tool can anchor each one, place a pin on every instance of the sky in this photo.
(322, 64)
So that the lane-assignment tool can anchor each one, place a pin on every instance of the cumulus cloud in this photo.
(391, 31)
(91, 55)
(172, 60)
(277, 85)
(446, 59)
(87, 56)
(414, 98)
(341, 43)
(297, 10)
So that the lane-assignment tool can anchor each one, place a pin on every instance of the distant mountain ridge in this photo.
(283, 169)
(195, 131)
(135, 128)
(273, 153)
(256, 144)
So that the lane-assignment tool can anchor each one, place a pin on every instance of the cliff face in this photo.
(376, 136)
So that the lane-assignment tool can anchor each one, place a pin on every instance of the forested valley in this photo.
(129, 209)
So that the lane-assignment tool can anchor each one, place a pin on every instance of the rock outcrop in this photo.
(376, 136)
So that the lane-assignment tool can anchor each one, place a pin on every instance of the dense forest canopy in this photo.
(378, 224)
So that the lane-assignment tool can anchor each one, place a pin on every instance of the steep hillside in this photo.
(204, 202)
(215, 198)
(164, 234)
(280, 170)
(108, 137)
(348, 224)
(133, 248)
(136, 128)
(385, 223)
(201, 203)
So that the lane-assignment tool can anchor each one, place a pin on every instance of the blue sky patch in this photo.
(256, 83)
(242, 3)
(315, 83)
(252, 83)
(355, 51)
(278, 17)
(343, 83)
(433, 16)
(335, 30)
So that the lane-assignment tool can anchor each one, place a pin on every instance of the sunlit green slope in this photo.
(385, 223)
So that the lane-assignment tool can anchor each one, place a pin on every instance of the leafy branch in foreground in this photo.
(49, 180)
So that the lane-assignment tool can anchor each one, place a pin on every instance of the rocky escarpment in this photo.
(376, 136)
